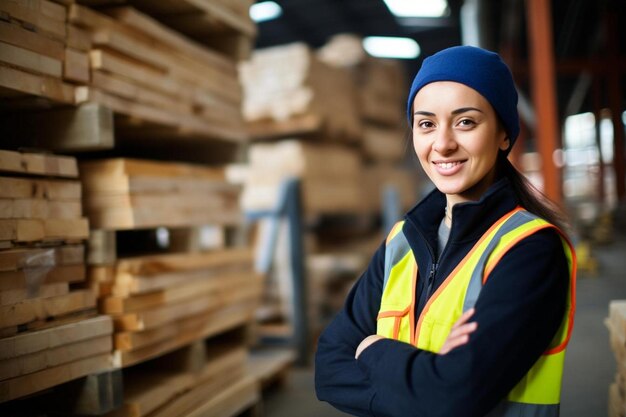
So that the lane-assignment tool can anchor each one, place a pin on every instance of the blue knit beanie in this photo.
(479, 69)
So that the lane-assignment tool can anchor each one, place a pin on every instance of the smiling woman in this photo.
(467, 307)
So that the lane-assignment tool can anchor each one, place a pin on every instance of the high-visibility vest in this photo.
(539, 391)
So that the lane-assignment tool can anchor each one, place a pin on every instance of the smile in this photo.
(447, 165)
(447, 168)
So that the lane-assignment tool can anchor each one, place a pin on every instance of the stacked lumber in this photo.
(162, 302)
(49, 330)
(123, 193)
(223, 25)
(144, 70)
(288, 91)
(35, 58)
(201, 379)
(330, 176)
(616, 323)
(386, 138)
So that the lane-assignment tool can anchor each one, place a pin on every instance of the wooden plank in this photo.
(8, 297)
(120, 87)
(17, 259)
(16, 35)
(240, 22)
(145, 392)
(158, 264)
(31, 208)
(31, 278)
(46, 16)
(28, 364)
(38, 164)
(88, 127)
(76, 66)
(155, 317)
(132, 47)
(231, 401)
(52, 190)
(30, 230)
(54, 89)
(192, 328)
(194, 289)
(29, 384)
(146, 168)
(31, 310)
(78, 38)
(172, 38)
(40, 340)
(31, 61)
(136, 72)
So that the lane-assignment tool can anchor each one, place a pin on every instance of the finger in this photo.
(453, 343)
(463, 329)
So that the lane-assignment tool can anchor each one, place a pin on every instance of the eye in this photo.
(426, 124)
(466, 123)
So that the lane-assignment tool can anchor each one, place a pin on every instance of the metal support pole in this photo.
(539, 18)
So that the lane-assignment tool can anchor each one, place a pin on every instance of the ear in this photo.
(505, 144)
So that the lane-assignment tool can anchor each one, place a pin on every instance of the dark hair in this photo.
(530, 197)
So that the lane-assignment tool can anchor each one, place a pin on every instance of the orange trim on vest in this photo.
(396, 327)
(392, 313)
(461, 264)
(570, 318)
(493, 262)
(412, 306)
(393, 232)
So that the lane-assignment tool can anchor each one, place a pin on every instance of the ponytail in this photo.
(530, 197)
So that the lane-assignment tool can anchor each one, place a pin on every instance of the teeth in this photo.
(447, 165)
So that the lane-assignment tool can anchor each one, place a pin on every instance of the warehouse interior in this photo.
(190, 188)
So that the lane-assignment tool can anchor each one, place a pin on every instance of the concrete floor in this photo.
(590, 365)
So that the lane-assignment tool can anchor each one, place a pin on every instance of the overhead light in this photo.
(265, 10)
(417, 8)
(390, 47)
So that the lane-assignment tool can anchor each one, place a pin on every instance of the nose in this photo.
(444, 141)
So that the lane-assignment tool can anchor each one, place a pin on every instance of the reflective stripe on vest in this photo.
(538, 393)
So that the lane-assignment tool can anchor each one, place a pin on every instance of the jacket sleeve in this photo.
(518, 313)
(339, 379)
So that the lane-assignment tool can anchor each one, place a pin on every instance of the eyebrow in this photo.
(454, 112)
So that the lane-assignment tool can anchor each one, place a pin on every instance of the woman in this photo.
(466, 308)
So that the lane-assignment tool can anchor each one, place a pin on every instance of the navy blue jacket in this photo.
(518, 313)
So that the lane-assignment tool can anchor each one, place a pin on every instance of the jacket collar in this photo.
(470, 220)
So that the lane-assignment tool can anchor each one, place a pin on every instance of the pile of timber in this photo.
(223, 25)
(289, 91)
(202, 379)
(49, 328)
(330, 175)
(616, 323)
(142, 69)
(38, 55)
(159, 82)
(162, 301)
(386, 138)
(123, 193)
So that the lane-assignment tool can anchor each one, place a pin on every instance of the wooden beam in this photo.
(539, 17)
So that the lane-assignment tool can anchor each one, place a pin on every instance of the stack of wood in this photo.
(48, 323)
(37, 55)
(125, 193)
(330, 174)
(616, 323)
(163, 301)
(144, 70)
(386, 138)
(200, 379)
(288, 91)
(223, 25)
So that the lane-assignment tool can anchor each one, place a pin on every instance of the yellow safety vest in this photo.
(539, 391)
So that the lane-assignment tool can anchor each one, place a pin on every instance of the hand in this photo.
(459, 334)
(365, 343)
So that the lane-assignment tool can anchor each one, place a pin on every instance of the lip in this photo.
(447, 168)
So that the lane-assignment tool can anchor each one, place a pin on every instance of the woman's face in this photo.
(457, 136)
